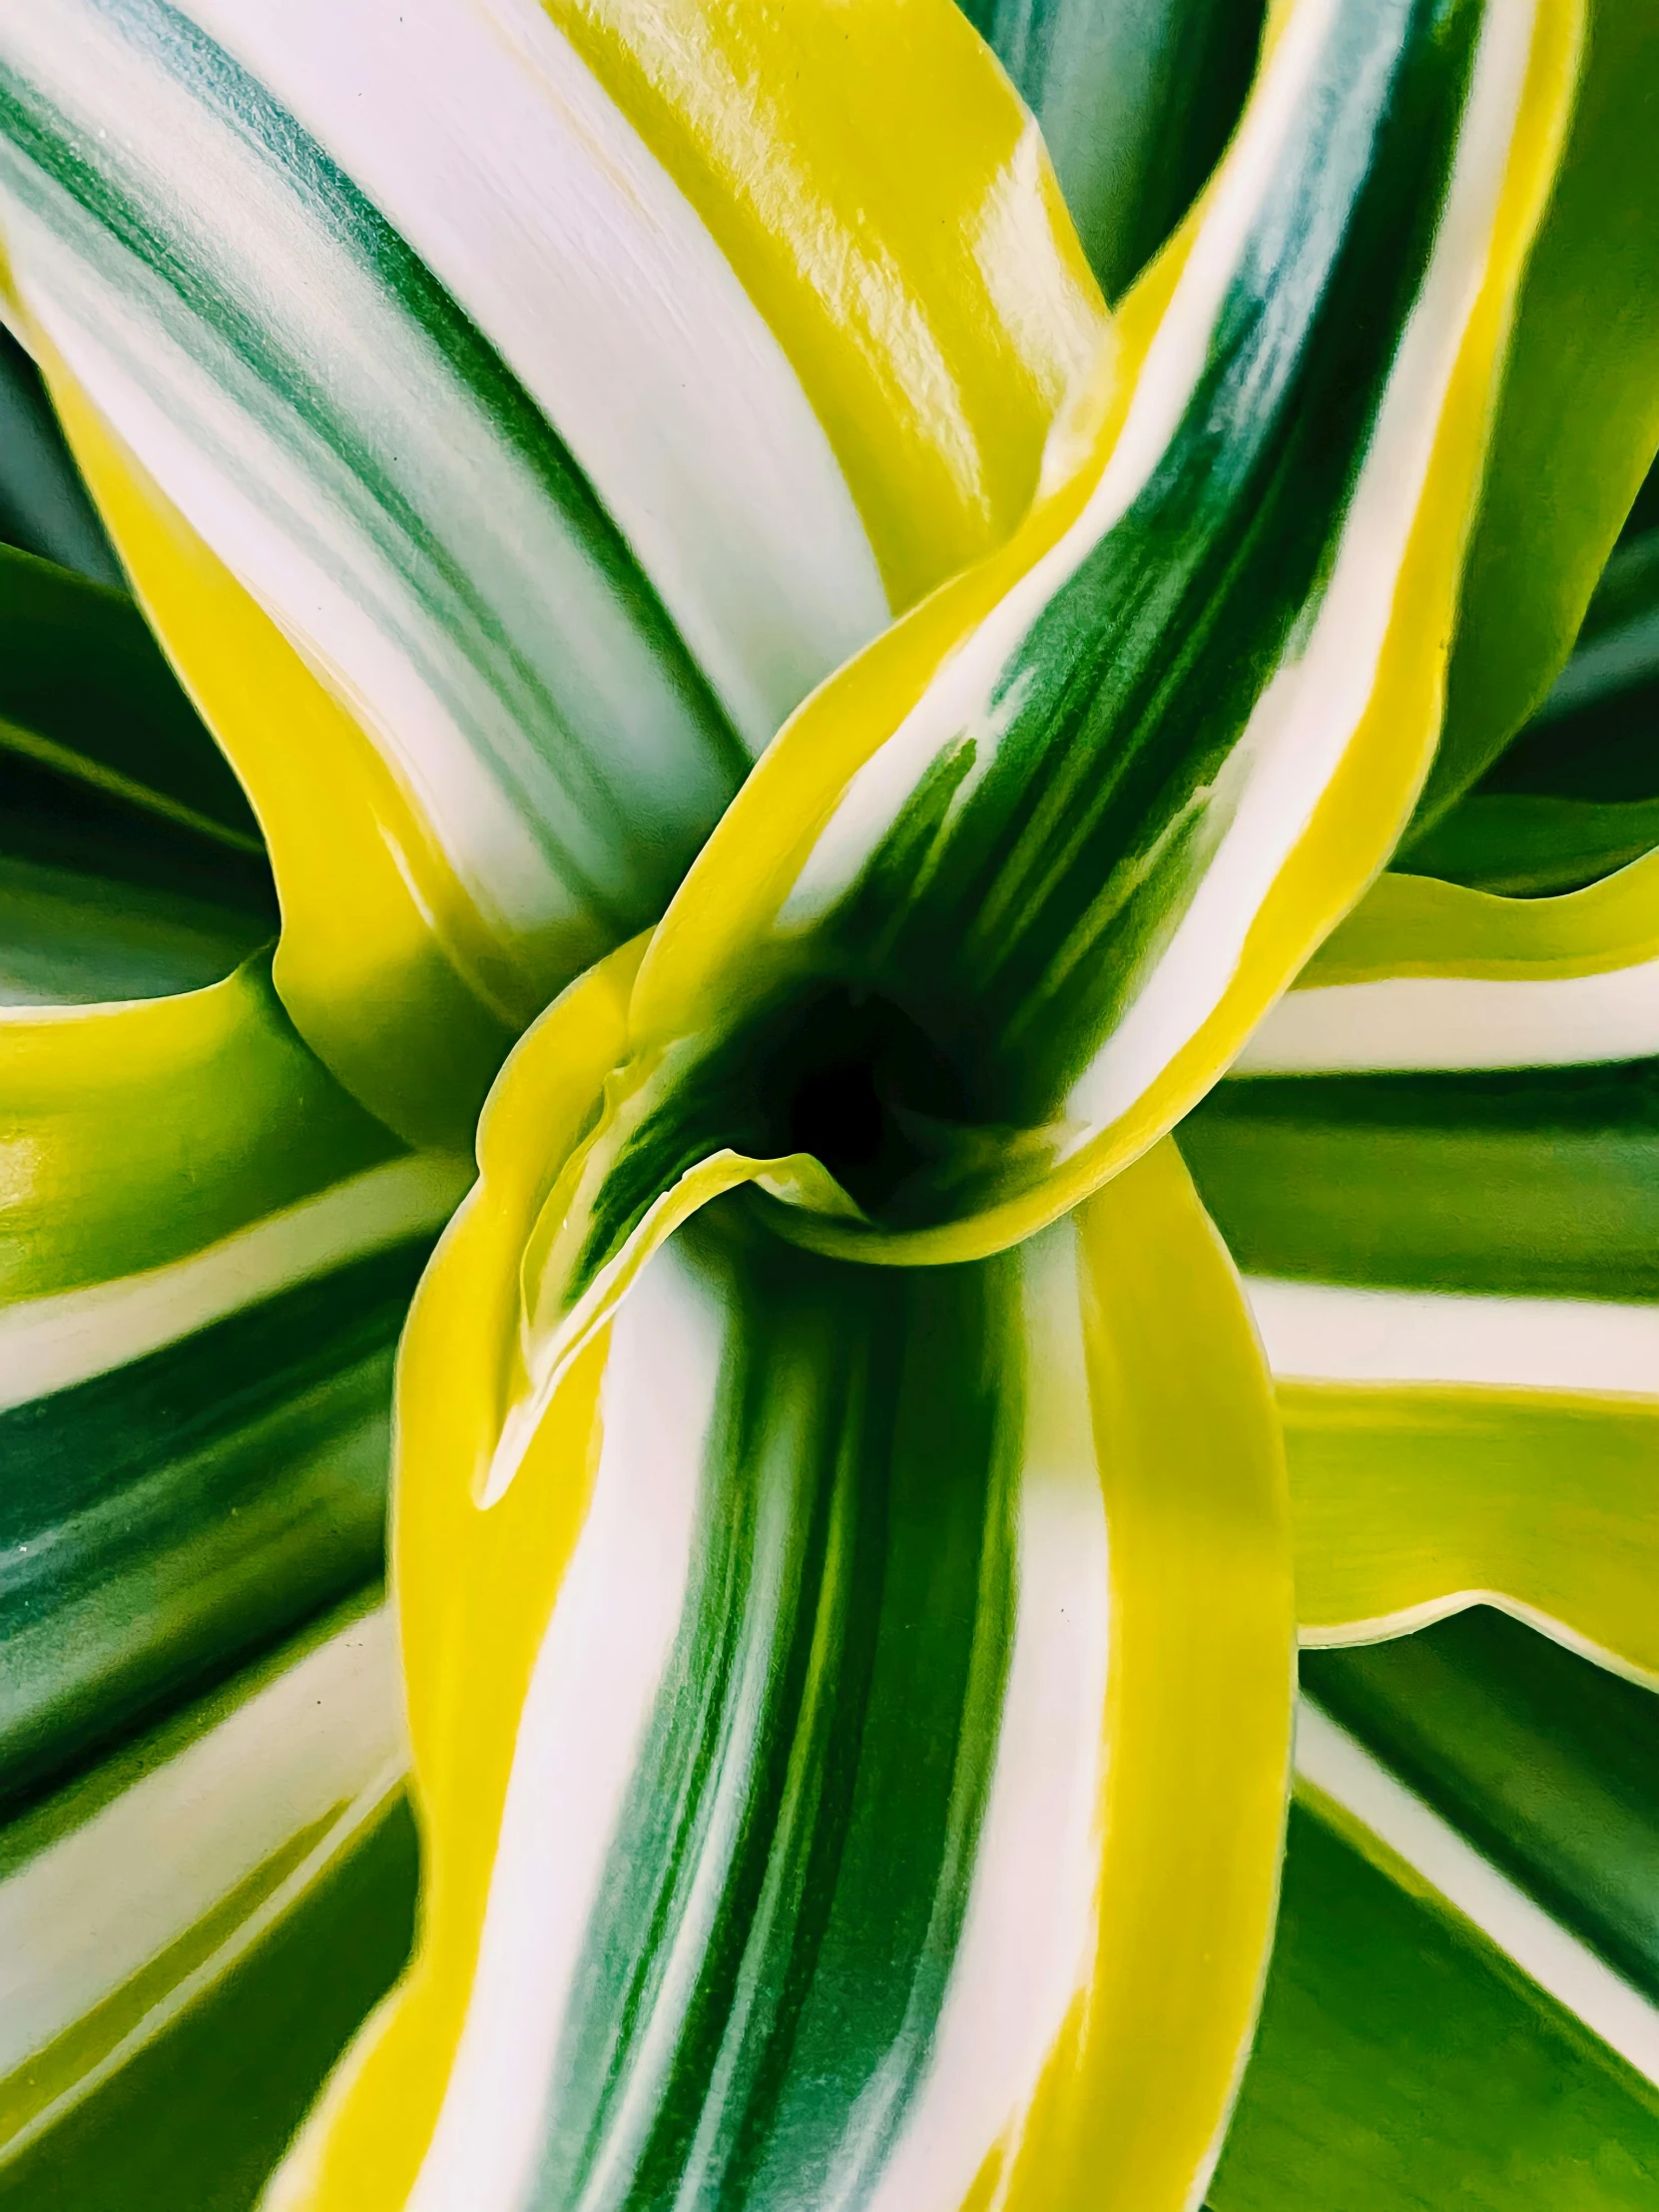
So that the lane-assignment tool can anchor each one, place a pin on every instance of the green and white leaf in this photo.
(1136, 98)
(130, 1898)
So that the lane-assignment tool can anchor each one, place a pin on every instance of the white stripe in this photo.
(1304, 722)
(1405, 1620)
(489, 146)
(1557, 1960)
(93, 1906)
(591, 1697)
(341, 1837)
(1027, 1943)
(1458, 1021)
(1322, 1331)
(957, 701)
(48, 1343)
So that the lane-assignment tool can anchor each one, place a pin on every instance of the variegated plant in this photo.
(649, 500)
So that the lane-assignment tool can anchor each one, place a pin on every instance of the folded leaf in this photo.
(792, 1716)
(492, 571)
(1426, 974)
(1011, 889)
(1414, 1500)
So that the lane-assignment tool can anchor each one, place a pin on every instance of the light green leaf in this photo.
(1403, 2061)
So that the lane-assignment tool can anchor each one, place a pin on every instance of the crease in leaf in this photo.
(1428, 976)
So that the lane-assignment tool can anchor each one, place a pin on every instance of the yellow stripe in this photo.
(1409, 1496)
(1130, 2113)
(474, 1589)
(379, 939)
(1417, 925)
(723, 914)
(885, 201)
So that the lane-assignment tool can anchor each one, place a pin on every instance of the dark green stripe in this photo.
(1523, 846)
(103, 896)
(103, 901)
(160, 1522)
(864, 1455)
(1596, 737)
(1541, 1181)
(379, 481)
(1403, 2065)
(1576, 795)
(1057, 879)
(1005, 924)
(1547, 1764)
(196, 2120)
(1136, 98)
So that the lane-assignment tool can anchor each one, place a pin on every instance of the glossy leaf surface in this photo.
(1135, 102)
(1010, 890)
(522, 563)
(1579, 417)
(881, 1869)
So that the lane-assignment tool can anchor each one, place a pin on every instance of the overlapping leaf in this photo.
(206, 1251)
(499, 474)
(853, 1613)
